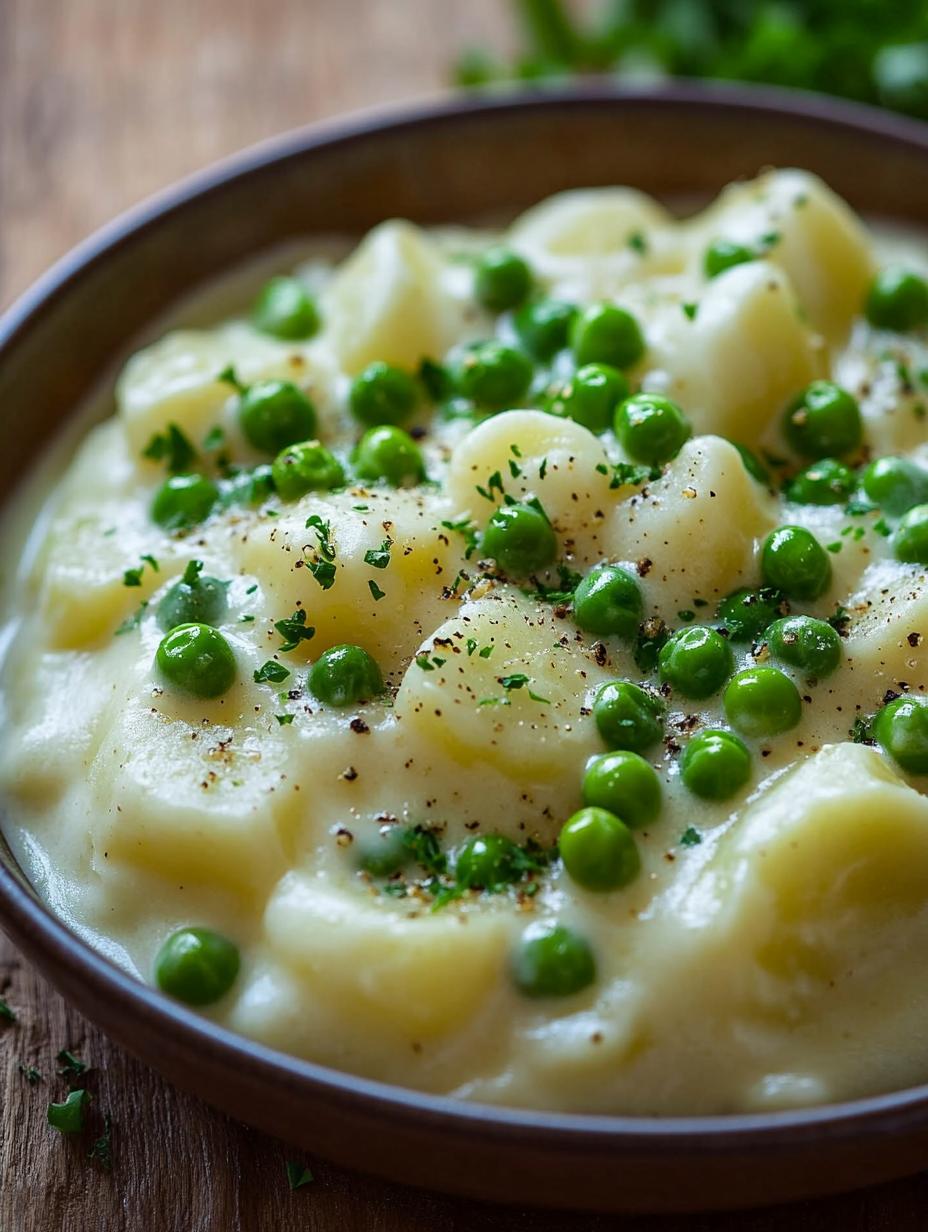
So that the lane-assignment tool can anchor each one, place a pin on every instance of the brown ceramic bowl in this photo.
(444, 163)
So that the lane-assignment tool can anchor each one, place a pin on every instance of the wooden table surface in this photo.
(101, 103)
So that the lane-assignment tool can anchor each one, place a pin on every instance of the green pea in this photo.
(194, 599)
(196, 965)
(625, 784)
(552, 961)
(196, 659)
(608, 602)
(826, 482)
(752, 464)
(598, 850)
(695, 661)
(895, 484)
(183, 501)
(761, 701)
(383, 394)
(606, 334)
(897, 300)
(627, 716)
(804, 642)
(745, 614)
(651, 428)
(901, 728)
(823, 421)
(385, 852)
(275, 414)
(794, 561)
(722, 255)
(486, 862)
(910, 538)
(492, 375)
(520, 539)
(306, 467)
(285, 309)
(345, 675)
(543, 327)
(590, 397)
(389, 454)
(715, 764)
(502, 280)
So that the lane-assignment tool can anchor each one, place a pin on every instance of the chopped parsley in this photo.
(494, 484)
(215, 438)
(68, 1116)
(322, 570)
(30, 1073)
(172, 448)
(860, 733)
(284, 719)
(294, 630)
(228, 377)
(133, 621)
(690, 310)
(376, 591)
(840, 620)
(563, 592)
(133, 577)
(271, 672)
(298, 1174)
(424, 847)
(627, 473)
(324, 573)
(379, 558)
(436, 380)
(102, 1150)
(6, 1014)
(486, 651)
(638, 243)
(690, 837)
(465, 527)
(70, 1066)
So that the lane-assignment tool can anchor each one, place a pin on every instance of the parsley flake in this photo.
(271, 672)
(102, 1150)
(6, 1014)
(68, 1116)
(294, 630)
(133, 621)
(494, 484)
(465, 527)
(171, 447)
(379, 558)
(284, 719)
(376, 591)
(690, 837)
(298, 1174)
(70, 1066)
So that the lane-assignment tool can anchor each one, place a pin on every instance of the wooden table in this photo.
(102, 102)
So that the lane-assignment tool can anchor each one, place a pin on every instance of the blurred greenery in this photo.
(875, 51)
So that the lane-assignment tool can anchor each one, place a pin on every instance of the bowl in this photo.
(450, 161)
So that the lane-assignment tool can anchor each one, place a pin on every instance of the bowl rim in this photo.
(33, 925)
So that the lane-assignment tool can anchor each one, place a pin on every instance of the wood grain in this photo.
(102, 103)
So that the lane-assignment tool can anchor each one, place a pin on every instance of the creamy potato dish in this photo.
(495, 662)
